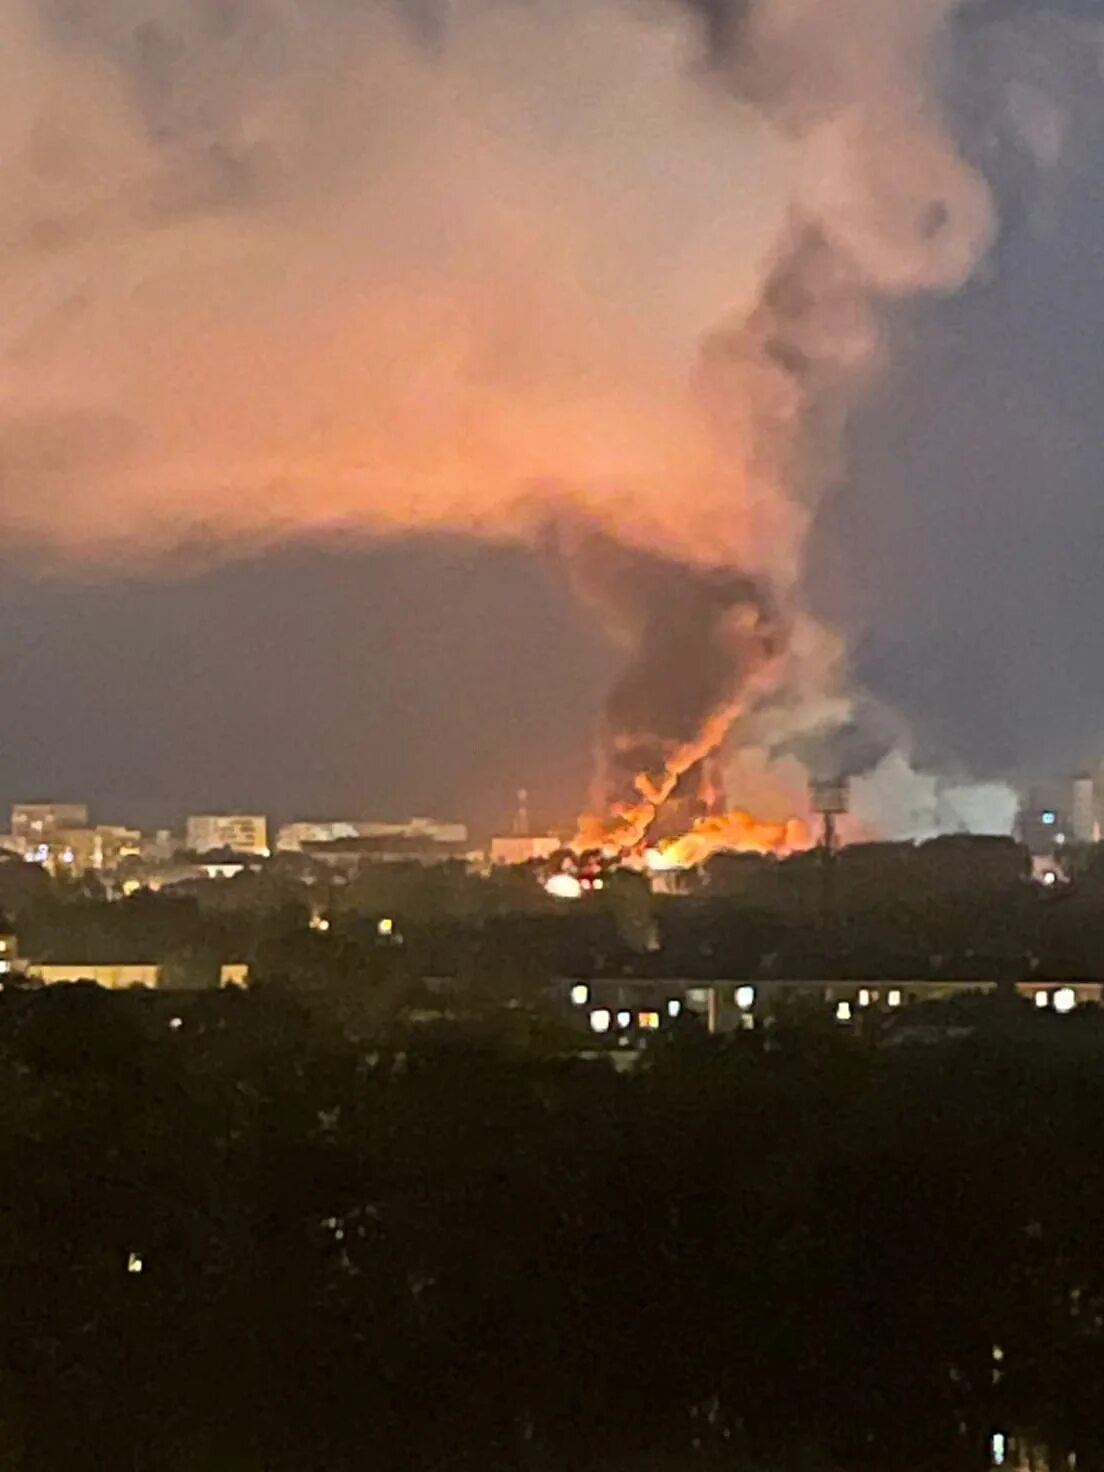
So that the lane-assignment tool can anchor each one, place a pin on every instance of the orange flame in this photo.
(626, 827)
(736, 832)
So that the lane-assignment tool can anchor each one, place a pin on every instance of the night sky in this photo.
(332, 674)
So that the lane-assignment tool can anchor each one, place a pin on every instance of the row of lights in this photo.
(845, 1010)
(602, 1019)
(1064, 999)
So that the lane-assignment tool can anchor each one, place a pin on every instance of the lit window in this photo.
(674, 1007)
(1042, 999)
(745, 998)
(3, 947)
(843, 1011)
(600, 1020)
(134, 1263)
(864, 997)
(1065, 999)
(624, 1017)
(5, 967)
(997, 1448)
(648, 1020)
(580, 995)
(894, 998)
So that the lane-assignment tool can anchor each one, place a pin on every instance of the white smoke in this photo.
(895, 801)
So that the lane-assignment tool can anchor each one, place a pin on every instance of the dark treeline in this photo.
(955, 907)
(448, 1250)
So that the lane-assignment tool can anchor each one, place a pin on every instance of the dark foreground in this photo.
(230, 1239)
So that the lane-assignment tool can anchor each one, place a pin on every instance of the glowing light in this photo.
(674, 1007)
(1065, 999)
(998, 1353)
(563, 887)
(580, 995)
(624, 1017)
(319, 922)
(131, 886)
(648, 1020)
(1048, 817)
(864, 997)
(1049, 877)
(599, 884)
(1042, 999)
(600, 1020)
(843, 1011)
(659, 862)
(894, 998)
(176, 1023)
(745, 998)
(134, 1263)
(385, 927)
(998, 1446)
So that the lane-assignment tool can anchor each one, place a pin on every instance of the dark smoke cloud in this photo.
(696, 638)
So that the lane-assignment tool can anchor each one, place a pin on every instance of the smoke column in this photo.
(883, 207)
(296, 268)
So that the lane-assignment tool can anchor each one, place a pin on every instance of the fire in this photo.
(627, 828)
(736, 832)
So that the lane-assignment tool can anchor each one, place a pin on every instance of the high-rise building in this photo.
(243, 833)
(34, 822)
(1083, 821)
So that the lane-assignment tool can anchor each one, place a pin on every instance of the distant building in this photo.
(114, 978)
(346, 855)
(523, 848)
(76, 851)
(292, 836)
(1083, 811)
(119, 977)
(114, 844)
(436, 830)
(58, 836)
(1058, 812)
(434, 837)
(241, 833)
(160, 846)
(32, 822)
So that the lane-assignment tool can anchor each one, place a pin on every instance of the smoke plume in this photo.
(279, 268)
